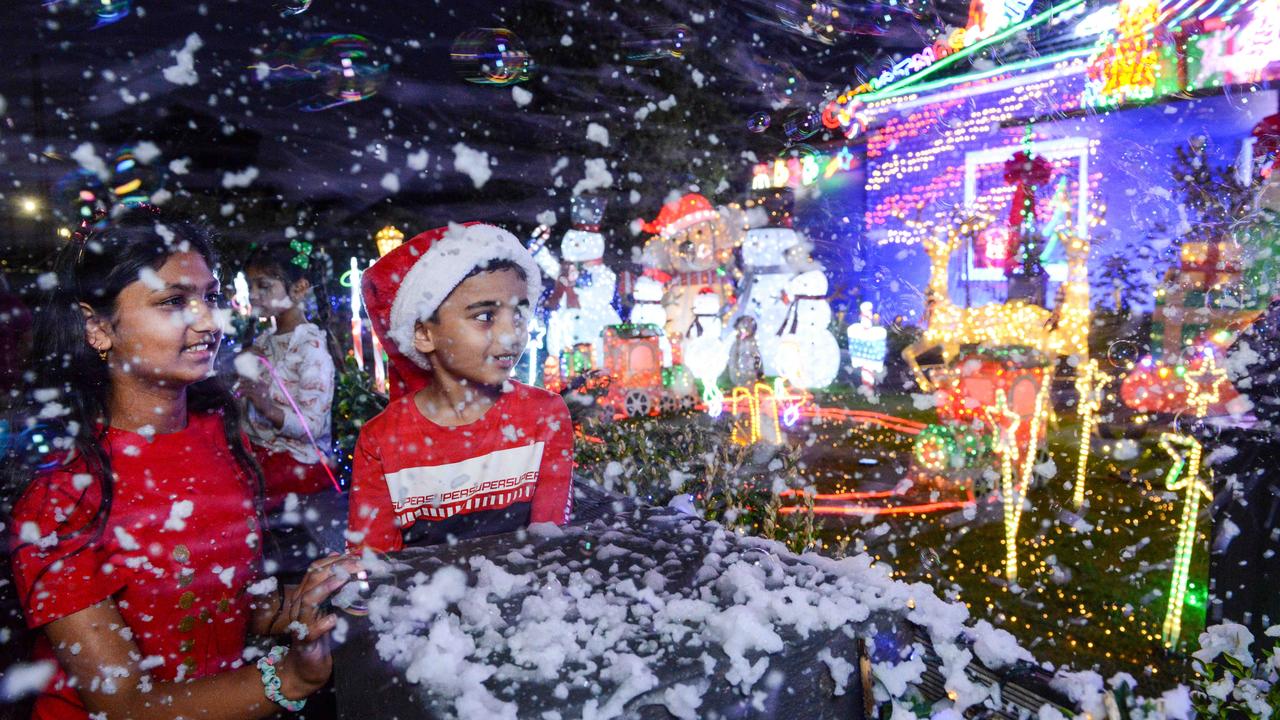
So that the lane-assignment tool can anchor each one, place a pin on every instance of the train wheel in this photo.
(637, 403)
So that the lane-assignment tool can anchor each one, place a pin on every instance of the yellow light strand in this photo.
(739, 396)
(1038, 419)
(1005, 423)
(1175, 445)
(1089, 387)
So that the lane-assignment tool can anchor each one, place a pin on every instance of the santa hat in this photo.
(679, 215)
(408, 285)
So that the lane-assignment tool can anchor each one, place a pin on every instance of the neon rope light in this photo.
(966, 52)
(379, 361)
(1012, 67)
(357, 325)
(867, 417)
(888, 510)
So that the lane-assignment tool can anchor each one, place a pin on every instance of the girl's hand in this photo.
(309, 663)
(299, 608)
(307, 666)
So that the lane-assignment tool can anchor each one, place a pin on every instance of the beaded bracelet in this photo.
(271, 681)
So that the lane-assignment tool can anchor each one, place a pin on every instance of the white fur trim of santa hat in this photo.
(443, 267)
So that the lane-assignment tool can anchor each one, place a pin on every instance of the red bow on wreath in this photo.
(1025, 172)
(1267, 146)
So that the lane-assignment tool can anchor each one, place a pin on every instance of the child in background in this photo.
(297, 351)
(287, 382)
(462, 450)
(135, 543)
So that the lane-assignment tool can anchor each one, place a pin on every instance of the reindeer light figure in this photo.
(1063, 331)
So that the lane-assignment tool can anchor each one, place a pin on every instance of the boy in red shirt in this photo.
(462, 450)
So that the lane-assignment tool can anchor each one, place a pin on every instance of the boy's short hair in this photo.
(494, 265)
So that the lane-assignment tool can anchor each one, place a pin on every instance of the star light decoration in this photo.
(1091, 384)
(1186, 453)
(1005, 423)
(1203, 391)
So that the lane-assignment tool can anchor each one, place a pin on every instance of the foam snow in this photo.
(178, 514)
(25, 679)
(598, 133)
(184, 71)
(418, 160)
(596, 177)
(239, 179)
(87, 157)
(472, 163)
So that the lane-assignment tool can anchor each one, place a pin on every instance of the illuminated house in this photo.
(1104, 94)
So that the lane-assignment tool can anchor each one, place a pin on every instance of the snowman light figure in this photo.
(647, 309)
(582, 301)
(808, 354)
(766, 273)
(705, 351)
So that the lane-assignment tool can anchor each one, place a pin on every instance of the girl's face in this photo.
(267, 293)
(167, 325)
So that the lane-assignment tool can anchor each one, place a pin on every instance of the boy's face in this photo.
(479, 331)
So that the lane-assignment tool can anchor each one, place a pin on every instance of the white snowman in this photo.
(765, 276)
(582, 301)
(808, 355)
(706, 352)
(647, 309)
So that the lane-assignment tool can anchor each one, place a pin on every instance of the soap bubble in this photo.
(289, 8)
(780, 82)
(80, 195)
(802, 125)
(817, 20)
(345, 66)
(490, 56)
(1123, 354)
(759, 122)
(658, 42)
(91, 14)
(134, 181)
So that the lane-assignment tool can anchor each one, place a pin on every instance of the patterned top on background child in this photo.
(304, 366)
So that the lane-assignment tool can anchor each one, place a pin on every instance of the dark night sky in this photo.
(346, 170)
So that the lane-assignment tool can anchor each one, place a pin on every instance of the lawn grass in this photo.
(1092, 583)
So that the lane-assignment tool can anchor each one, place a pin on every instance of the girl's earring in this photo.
(102, 355)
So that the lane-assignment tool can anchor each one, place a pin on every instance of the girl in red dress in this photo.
(137, 550)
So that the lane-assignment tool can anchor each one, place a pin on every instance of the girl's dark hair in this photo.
(93, 269)
(282, 262)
